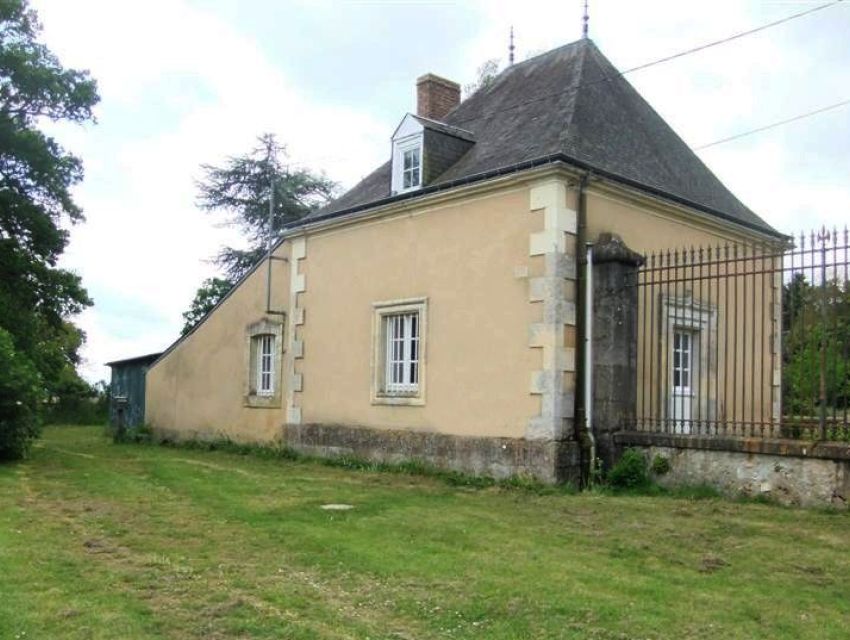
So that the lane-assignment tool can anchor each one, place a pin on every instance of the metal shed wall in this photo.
(128, 382)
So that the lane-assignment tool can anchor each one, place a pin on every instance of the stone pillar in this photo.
(615, 335)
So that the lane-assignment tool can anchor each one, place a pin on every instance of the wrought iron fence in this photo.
(747, 339)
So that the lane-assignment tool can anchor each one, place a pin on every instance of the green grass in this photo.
(135, 541)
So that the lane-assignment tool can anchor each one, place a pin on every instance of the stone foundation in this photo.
(790, 472)
(546, 460)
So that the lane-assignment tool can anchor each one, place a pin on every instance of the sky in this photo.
(187, 82)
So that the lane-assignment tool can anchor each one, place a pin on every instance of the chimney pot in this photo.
(436, 96)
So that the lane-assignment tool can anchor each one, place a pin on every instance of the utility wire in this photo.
(750, 132)
(735, 36)
(674, 56)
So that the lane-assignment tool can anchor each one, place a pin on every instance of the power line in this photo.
(735, 36)
(674, 56)
(750, 132)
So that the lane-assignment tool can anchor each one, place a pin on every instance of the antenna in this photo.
(584, 20)
(511, 48)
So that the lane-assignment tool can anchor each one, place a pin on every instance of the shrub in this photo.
(20, 400)
(630, 471)
(660, 465)
(79, 403)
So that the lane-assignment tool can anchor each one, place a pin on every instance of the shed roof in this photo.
(145, 359)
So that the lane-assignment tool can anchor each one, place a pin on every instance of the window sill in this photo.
(255, 401)
(399, 400)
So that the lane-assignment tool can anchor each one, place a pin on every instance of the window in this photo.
(398, 360)
(682, 359)
(688, 325)
(265, 365)
(408, 154)
(402, 353)
(410, 175)
(682, 374)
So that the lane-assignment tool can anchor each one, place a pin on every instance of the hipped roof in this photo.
(570, 104)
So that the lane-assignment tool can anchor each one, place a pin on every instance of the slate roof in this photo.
(569, 104)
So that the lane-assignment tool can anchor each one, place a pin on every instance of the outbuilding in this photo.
(127, 390)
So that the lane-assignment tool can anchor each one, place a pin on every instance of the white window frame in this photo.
(414, 172)
(402, 146)
(683, 359)
(265, 350)
(399, 355)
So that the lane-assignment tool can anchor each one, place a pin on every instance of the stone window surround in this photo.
(251, 398)
(379, 311)
(688, 314)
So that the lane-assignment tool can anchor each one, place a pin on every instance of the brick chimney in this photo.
(436, 96)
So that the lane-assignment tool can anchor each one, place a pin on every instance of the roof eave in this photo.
(532, 164)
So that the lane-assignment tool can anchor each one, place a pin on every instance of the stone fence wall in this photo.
(794, 472)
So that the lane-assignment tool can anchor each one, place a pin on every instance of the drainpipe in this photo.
(588, 357)
(583, 399)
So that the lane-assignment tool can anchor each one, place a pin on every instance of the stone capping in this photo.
(609, 247)
(766, 446)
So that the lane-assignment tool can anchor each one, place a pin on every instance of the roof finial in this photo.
(511, 48)
(584, 20)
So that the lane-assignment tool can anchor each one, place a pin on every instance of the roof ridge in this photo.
(575, 86)
(442, 124)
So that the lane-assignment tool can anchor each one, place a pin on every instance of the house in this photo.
(434, 310)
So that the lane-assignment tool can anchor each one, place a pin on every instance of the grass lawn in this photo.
(132, 541)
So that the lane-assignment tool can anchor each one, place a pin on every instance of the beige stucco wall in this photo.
(496, 263)
(467, 260)
(474, 260)
(741, 362)
(198, 387)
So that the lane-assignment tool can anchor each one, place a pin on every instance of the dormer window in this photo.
(423, 149)
(411, 174)
(408, 155)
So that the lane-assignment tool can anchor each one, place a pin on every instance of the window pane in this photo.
(264, 350)
(402, 357)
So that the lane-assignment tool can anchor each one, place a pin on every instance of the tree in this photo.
(816, 339)
(241, 189)
(209, 295)
(36, 174)
(484, 76)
